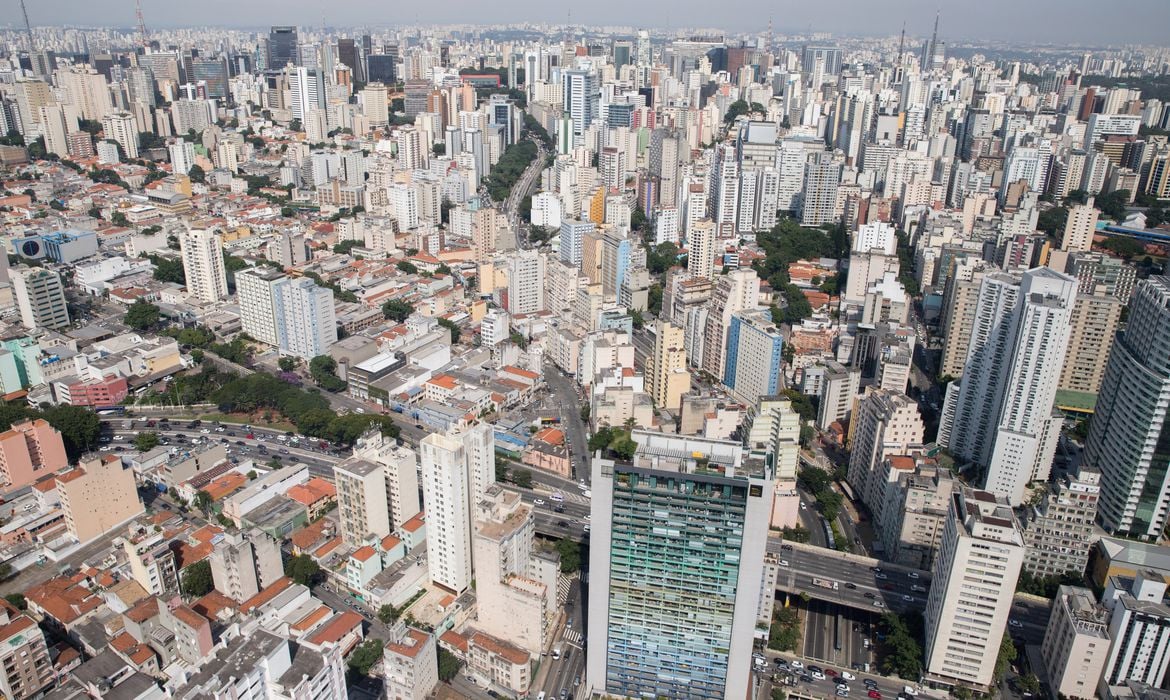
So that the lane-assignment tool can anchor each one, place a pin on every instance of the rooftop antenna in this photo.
(902, 43)
(933, 37)
(769, 46)
(32, 45)
(141, 24)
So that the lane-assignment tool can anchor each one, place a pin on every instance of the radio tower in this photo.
(141, 24)
(32, 45)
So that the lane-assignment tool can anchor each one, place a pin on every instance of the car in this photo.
(908, 598)
(876, 695)
(119, 438)
(562, 523)
(830, 672)
(585, 529)
(538, 502)
(870, 683)
(803, 506)
(910, 690)
(1015, 623)
(283, 451)
(805, 678)
(220, 429)
(239, 442)
(205, 431)
(781, 663)
(880, 576)
(151, 423)
(918, 589)
(786, 547)
(818, 675)
(912, 574)
(851, 586)
(250, 436)
(869, 594)
(558, 508)
(783, 562)
(797, 664)
(878, 604)
(231, 433)
(842, 691)
(848, 676)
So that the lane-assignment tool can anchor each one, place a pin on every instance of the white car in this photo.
(848, 676)
(797, 664)
(912, 574)
(909, 690)
(1015, 623)
(783, 562)
(538, 502)
(206, 431)
(818, 675)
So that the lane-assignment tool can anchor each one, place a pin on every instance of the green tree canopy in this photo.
(142, 315)
(397, 310)
(302, 569)
(146, 441)
(197, 579)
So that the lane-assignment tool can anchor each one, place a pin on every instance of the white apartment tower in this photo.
(1000, 414)
(526, 272)
(256, 292)
(40, 296)
(306, 325)
(980, 554)
(202, 253)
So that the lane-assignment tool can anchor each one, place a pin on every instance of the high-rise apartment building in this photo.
(754, 356)
(885, 424)
(526, 282)
(29, 450)
(667, 619)
(1058, 531)
(1076, 643)
(410, 663)
(738, 290)
(203, 265)
(1130, 423)
(1000, 414)
(376, 104)
(306, 92)
(97, 496)
(839, 388)
(306, 325)
(88, 90)
(822, 175)
(667, 377)
(25, 667)
(40, 296)
(123, 128)
(582, 94)
(256, 291)
(1095, 319)
(1139, 627)
(1079, 228)
(362, 511)
(701, 249)
(245, 563)
(456, 470)
(967, 609)
(573, 232)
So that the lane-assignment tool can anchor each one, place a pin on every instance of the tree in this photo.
(1123, 246)
(323, 369)
(438, 149)
(901, 650)
(453, 328)
(302, 569)
(144, 442)
(364, 656)
(17, 601)
(202, 500)
(501, 469)
(388, 614)
(288, 364)
(522, 478)
(735, 110)
(196, 174)
(1029, 684)
(570, 553)
(142, 315)
(449, 665)
(407, 267)
(344, 247)
(6, 571)
(119, 219)
(1007, 655)
(637, 320)
(79, 427)
(397, 310)
(197, 579)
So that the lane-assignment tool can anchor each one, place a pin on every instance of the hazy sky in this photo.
(1093, 22)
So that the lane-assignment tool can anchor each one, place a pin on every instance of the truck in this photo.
(831, 585)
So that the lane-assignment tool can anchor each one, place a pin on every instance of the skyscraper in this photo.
(40, 296)
(667, 378)
(1129, 431)
(582, 94)
(525, 282)
(306, 91)
(282, 47)
(202, 253)
(666, 618)
(305, 322)
(1000, 415)
(572, 235)
(754, 356)
(979, 561)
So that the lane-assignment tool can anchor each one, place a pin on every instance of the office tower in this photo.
(885, 424)
(376, 104)
(1129, 422)
(667, 378)
(666, 619)
(123, 128)
(29, 450)
(839, 388)
(582, 95)
(457, 469)
(1079, 228)
(512, 603)
(282, 47)
(202, 253)
(25, 667)
(40, 296)
(243, 564)
(526, 270)
(573, 232)
(304, 317)
(1139, 626)
(1095, 319)
(410, 663)
(829, 56)
(1058, 531)
(97, 496)
(822, 175)
(140, 84)
(971, 596)
(738, 290)
(1000, 415)
(1076, 643)
(306, 92)
(182, 155)
(754, 356)
(701, 249)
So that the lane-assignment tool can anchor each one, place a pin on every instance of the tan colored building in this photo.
(25, 667)
(666, 368)
(959, 303)
(1076, 643)
(28, 451)
(1095, 318)
(97, 496)
(499, 661)
(410, 664)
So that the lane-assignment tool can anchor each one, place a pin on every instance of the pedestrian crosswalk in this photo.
(564, 585)
(572, 636)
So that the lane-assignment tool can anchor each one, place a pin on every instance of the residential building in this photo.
(29, 450)
(970, 598)
(410, 664)
(25, 667)
(754, 357)
(526, 283)
(456, 471)
(260, 664)
(98, 495)
(573, 232)
(362, 511)
(500, 662)
(256, 291)
(1079, 228)
(40, 296)
(738, 290)
(840, 386)
(922, 501)
(1000, 415)
(1076, 643)
(960, 304)
(1129, 421)
(701, 249)
(1058, 531)
(667, 377)
(1139, 627)
(122, 127)
(666, 619)
(243, 564)
(885, 424)
(1095, 319)
(152, 563)
(304, 317)
(203, 265)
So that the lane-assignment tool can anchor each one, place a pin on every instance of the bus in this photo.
(839, 632)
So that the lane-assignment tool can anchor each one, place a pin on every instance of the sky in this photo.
(1062, 22)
